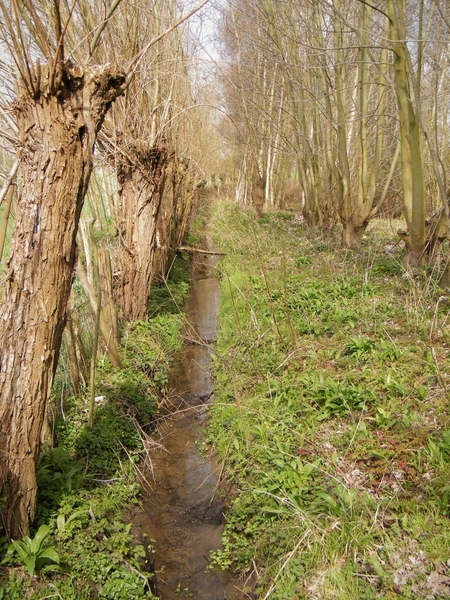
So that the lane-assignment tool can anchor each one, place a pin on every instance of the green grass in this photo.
(331, 412)
(169, 297)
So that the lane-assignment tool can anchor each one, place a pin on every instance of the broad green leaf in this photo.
(41, 534)
(328, 499)
(377, 454)
(60, 522)
(51, 554)
(22, 551)
(75, 515)
(272, 510)
(30, 563)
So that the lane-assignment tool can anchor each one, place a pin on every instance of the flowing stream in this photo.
(183, 510)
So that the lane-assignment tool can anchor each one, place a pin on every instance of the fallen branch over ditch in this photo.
(189, 249)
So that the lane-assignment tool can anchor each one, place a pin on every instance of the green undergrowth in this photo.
(199, 221)
(168, 297)
(88, 477)
(331, 413)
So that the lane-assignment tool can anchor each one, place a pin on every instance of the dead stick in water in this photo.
(189, 249)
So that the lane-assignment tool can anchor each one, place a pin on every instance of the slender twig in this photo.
(136, 60)
(9, 180)
(102, 26)
(60, 46)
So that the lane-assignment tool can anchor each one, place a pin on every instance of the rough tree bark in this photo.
(181, 190)
(176, 171)
(258, 195)
(58, 126)
(141, 177)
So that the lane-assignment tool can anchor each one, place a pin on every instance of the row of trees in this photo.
(343, 104)
(350, 100)
(85, 84)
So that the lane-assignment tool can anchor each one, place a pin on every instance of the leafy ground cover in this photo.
(331, 413)
(80, 546)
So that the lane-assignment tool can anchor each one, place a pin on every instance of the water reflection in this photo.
(183, 512)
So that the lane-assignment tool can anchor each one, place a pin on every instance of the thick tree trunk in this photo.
(141, 179)
(167, 216)
(58, 128)
(352, 234)
(180, 193)
(258, 196)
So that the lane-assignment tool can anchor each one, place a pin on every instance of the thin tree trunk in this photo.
(108, 313)
(75, 368)
(258, 195)
(411, 145)
(82, 355)
(6, 195)
(345, 199)
(98, 311)
(88, 279)
(58, 127)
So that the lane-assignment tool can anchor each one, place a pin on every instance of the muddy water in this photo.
(183, 510)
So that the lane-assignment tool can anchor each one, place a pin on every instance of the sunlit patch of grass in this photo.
(331, 411)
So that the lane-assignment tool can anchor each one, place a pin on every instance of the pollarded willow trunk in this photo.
(175, 172)
(169, 216)
(189, 197)
(141, 179)
(181, 191)
(58, 127)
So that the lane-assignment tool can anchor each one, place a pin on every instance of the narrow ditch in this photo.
(183, 510)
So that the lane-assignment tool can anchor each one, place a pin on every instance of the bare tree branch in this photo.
(102, 26)
(10, 178)
(135, 61)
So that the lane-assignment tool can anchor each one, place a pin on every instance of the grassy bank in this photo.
(81, 546)
(331, 414)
